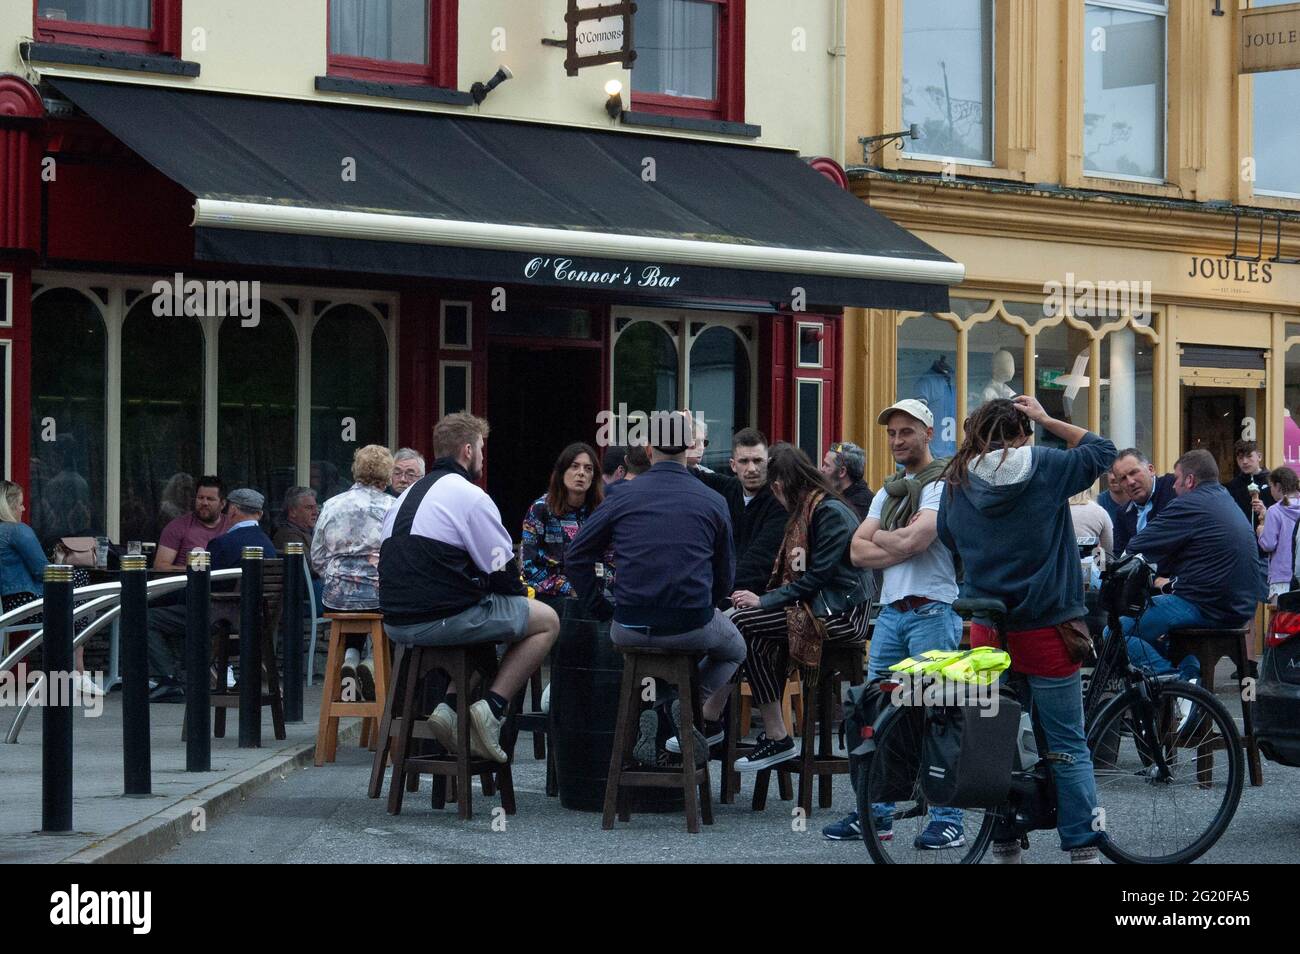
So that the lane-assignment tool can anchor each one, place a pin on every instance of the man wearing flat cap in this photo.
(243, 530)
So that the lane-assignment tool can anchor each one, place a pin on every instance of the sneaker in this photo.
(848, 828)
(646, 751)
(1187, 712)
(88, 685)
(366, 676)
(767, 753)
(230, 677)
(485, 733)
(443, 725)
(885, 827)
(711, 736)
(939, 834)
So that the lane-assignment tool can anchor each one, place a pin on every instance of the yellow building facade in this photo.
(1092, 164)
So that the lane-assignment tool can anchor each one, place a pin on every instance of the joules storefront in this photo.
(201, 282)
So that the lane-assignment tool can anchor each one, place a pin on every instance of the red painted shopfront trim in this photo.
(21, 146)
(441, 70)
(729, 106)
(163, 37)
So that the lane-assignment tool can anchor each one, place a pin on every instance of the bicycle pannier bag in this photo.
(967, 753)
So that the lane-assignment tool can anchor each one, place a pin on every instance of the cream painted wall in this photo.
(278, 47)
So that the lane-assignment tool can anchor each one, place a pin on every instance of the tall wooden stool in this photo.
(840, 662)
(403, 721)
(529, 717)
(678, 669)
(1209, 646)
(343, 625)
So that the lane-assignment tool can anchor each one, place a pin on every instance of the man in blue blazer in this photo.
(1147, 494)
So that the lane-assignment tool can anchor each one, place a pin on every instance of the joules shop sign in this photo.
(1270, 39)
(1230, 270)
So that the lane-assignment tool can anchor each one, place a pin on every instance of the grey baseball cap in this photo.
(245, 498)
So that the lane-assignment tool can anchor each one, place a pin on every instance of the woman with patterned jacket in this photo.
(553, 521)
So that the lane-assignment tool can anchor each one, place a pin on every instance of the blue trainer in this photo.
(940, 834)
(848, 828)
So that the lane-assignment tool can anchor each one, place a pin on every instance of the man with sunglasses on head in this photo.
(844, 465)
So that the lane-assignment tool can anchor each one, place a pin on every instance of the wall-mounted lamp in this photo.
(480, 90)
(872, 144)
(614, 98)
(1218, 10)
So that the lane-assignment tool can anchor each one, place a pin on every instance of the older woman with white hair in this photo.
(345, 551)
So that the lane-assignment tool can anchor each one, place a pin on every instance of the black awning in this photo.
(317, 185)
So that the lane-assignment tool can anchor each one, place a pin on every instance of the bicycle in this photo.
(1158, 804)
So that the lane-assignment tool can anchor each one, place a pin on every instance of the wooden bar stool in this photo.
(403, 721)
(817, 758)
(678, 669)
(1209, 646)
(332, 706)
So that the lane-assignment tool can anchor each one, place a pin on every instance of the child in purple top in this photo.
(1277, 530)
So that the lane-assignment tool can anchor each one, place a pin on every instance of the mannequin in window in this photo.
(1004, 369)
(935, 387)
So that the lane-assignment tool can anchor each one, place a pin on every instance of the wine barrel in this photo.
(586, 674)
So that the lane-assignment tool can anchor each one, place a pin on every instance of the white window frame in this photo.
(469, 326)
(821, 344)
(991, 162)
(683, 340)
(304, 321)
(7, 345)
(821, 414)
(442, 385)
(1131, 6)
(7, 279)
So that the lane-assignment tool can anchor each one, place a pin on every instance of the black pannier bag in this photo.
(967, 753)
(1277, 698)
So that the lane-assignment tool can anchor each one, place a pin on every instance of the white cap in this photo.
(912, 407)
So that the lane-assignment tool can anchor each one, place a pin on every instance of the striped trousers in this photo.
(767, 646)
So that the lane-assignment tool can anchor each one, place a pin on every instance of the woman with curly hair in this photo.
(345, 551)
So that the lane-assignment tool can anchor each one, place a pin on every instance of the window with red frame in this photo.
(690, 58)
(134, 26)
(394, 41)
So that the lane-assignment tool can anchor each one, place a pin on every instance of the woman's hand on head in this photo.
(1030, 407)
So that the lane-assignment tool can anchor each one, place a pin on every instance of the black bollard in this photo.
(250, 650)
(136, 771)
(291, 638)
(198, 662)
(56, 716)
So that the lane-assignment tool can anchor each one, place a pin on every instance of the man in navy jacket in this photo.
(1148, 494)
(243, 530)
(673, 548)
(1211, 573)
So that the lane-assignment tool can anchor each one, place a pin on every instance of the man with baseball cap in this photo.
(900, 536)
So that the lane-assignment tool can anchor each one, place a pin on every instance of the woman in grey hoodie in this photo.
(1006, 512)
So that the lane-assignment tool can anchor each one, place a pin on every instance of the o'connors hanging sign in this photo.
(599, 32)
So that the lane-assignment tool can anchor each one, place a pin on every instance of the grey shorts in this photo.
(496, 619)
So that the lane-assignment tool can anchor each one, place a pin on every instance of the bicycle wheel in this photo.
(892, 806)
(1167, 795)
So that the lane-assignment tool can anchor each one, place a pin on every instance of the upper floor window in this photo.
(138, 26)
(690, 58)
(411, 41)
(1276, 139)
(1124, 89)
(948, 77)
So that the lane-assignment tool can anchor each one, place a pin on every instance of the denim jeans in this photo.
(899, 634)
(1058, 709)
(1148, 644)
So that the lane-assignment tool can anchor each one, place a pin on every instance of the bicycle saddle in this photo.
(986, 608)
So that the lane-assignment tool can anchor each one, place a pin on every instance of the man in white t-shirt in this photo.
(900, 537)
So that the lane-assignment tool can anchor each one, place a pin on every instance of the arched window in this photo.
(257, 399)
(349, 393)
(720, 383)
(645, 369)
(162, 418)
(69, 358)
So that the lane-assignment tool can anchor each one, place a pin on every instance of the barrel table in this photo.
(586, 672)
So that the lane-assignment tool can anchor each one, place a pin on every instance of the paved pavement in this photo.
(109, 825)
(323, 816)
